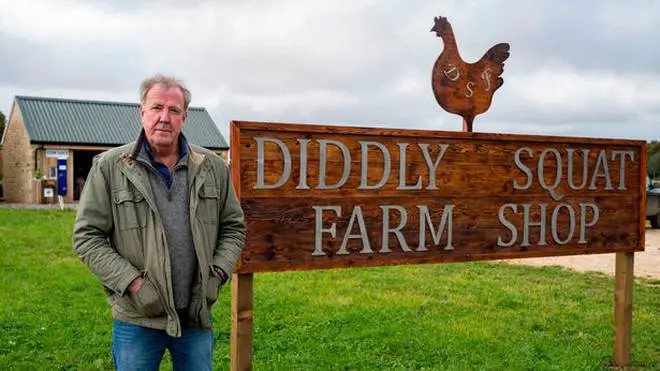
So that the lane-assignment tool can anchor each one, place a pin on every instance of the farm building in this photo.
(49, 143)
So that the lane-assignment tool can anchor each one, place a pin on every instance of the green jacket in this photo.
(119, 235)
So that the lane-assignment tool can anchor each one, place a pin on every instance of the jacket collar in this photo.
(195, 156)
(146, 155)
(194, 161)
(183, 148)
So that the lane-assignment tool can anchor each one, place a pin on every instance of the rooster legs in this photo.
(467, 124)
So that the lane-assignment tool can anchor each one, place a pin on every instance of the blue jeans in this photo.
(140, 348)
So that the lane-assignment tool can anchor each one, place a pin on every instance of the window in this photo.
(52, 172)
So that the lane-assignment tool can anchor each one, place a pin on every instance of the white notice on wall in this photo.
(62, 154)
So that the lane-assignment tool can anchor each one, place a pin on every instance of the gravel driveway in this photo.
(647, 263)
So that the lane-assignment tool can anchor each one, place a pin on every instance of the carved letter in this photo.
(366, 247)
(585, 168)
(303, 164)
(397, 231)
(524, 169)
(486, 77)
(602, 159)
(622, 167)
(469, 87)
(433, 167)
(402, 171)
(387, 163)
(318, 243)
(425, 217)
(541, 168)
(527, 224)
(450, 70)
(571, 224)
(323, 154)
(260, 163)
(583, 219)
(508, 224)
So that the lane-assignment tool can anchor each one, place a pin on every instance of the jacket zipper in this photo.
(166, 261)
(165, 256)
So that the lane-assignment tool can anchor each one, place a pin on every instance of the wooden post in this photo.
(241, 322)
(241, 286)
(623, 301)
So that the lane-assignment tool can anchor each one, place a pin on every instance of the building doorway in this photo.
(82, 163)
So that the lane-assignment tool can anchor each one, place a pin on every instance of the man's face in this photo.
(163, 116)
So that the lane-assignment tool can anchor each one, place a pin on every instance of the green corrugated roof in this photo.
(71, 121)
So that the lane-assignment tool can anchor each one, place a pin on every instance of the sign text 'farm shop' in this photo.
(328, 196)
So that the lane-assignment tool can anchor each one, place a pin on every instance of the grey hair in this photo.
(167, 82)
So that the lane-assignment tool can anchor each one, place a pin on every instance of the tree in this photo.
(653, 159)
(3, 119)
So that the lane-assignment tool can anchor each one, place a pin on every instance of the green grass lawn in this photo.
(462, 316)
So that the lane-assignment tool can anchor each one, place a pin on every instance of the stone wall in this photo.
(18, 161)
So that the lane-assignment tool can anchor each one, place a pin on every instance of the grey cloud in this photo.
(359, 50)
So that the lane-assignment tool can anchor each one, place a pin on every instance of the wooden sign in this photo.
(465, 89)
(328, 197)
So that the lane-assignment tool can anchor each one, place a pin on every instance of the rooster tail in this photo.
(498, 83)
(498, 53)
(495, 56)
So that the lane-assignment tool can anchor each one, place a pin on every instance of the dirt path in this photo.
(647, 263)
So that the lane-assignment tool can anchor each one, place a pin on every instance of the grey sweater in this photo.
(172, 206)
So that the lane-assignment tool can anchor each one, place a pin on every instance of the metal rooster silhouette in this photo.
(465, 89)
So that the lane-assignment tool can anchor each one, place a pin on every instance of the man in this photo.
(160, 226)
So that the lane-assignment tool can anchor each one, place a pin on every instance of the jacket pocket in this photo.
(146, 300)
(212, 289)
(208, 206)
(131, 209)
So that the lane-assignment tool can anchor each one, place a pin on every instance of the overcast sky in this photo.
(587, 68)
